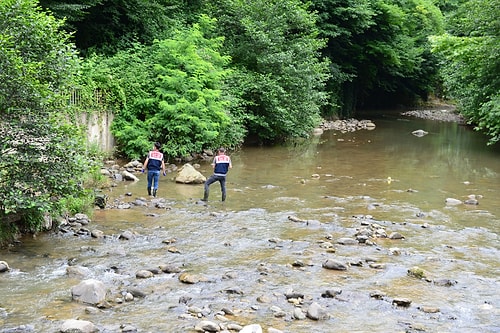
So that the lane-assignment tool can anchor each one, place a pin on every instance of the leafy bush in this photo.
(171, 91)
(43, 157)
(472, 63)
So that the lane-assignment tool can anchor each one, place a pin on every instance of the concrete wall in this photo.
(98, 129)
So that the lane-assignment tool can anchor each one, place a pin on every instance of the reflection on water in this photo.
(248, 242)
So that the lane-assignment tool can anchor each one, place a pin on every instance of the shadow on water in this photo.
(288, 208)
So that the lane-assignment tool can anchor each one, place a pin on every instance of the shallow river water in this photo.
(248, 253)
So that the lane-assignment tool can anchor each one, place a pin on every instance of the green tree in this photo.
(472, 63)
(111, 25)
(278, 73)
(172, 92)
(42, 156)
(379, 50)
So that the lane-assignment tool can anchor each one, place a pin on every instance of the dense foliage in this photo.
(170, 91)
(279, 75)
(379, 50)
(471, 63)
(43, 158)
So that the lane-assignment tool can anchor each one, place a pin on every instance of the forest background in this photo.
(200, 74)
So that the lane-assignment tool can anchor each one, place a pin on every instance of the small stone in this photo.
(403, 302)
(428, 309)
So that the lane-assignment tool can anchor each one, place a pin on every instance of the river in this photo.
(287, 209)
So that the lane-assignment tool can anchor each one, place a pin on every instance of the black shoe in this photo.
(149, 191)
(154, 193)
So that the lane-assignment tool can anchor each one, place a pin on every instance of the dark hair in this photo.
(222, 150)
(157, 145)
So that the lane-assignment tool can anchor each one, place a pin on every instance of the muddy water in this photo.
(247, 247)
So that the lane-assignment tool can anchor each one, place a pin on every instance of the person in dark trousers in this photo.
(154, 163)
(221, 164)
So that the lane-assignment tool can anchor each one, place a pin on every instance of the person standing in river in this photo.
(221, 164)
(154, 163)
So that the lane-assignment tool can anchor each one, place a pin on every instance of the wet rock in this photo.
(264, 299)
(124, 206)
(253, 328)
(170, 269)
(127, 235)
(348, 125)
(97, 233)
(331, 293)
(316, 312)
(189, 175)
(277, 311)
(155, 270)
(77, 271)
(89, 291)
(129, 176)
(128, 329)
(403, 302)
(428, 309)
(83, 219)
(144, 274)
(445, 282)
(207, 326)
(91, 310)
(19, 329)
(234, 327)
(313, 223)
(140, 203)
(471, 202)
(189, 278)
(136, 292)
(325, 245)
(396, 235)
(347, 241)
(417, 272)
(377, 294)
(452, 202)
(448, 115)
(169, 241)
(334, 265)
(394, 251)
(293, 294)
(298, 314)
(295, 219)
(274, 330)
(173, 249)
(317, 131)
(376, 265)
(362, 239)
(298, 263)
(234, 290)
(419, 133)
(4, 267)
(101, 200)
(78, 326)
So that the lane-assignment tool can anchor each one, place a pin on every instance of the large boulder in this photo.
(129, 176)
(189, 175)
(78, 326)
(4, 266)
(89, 291)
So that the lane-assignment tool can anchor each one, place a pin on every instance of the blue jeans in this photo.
(153, 178)
(212, 179)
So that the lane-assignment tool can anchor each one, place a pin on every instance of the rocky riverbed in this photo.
(448, 114)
